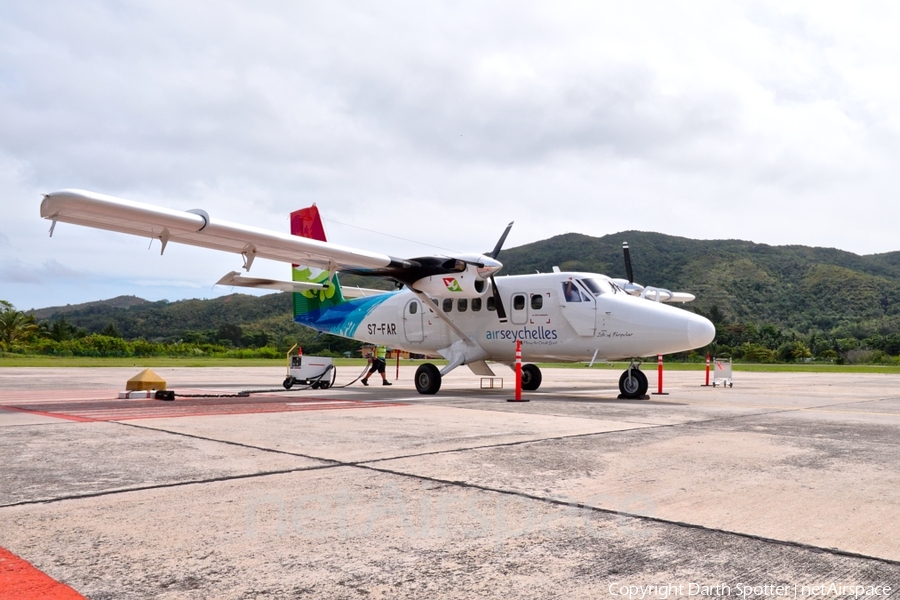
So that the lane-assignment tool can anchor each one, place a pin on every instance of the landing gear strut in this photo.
(428, 379)
(633, 383)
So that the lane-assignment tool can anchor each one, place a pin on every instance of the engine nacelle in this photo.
(464, 284)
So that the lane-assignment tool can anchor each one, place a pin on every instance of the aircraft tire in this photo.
(531, 377)
(635, 386)
(288, 382)
(428, 379)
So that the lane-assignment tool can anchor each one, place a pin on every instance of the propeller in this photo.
(493, 253)
(498, 302)
(408, 271)
(635, 289)
(631, 287)
(628, 272)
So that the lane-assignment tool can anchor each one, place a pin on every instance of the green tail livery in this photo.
(326, 310)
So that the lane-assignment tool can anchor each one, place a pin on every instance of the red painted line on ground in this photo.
(44, 413)
(19, 579)
(106, 409)
(9, 396)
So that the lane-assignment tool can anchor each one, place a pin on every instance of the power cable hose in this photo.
(246, 393)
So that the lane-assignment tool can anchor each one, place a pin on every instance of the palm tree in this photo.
(15, 326)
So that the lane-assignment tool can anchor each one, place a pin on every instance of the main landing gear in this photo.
(428, 378)
(531, 377)
(633, 383)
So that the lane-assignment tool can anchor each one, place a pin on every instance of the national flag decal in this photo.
(452, 284)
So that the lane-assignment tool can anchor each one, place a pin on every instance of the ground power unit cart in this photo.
(317, 372)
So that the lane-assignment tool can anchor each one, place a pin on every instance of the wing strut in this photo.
(434, 307)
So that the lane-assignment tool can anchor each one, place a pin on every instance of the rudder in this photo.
(307, 223)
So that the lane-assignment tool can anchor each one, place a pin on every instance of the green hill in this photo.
(795, 287)
(755, 293)
(238, 320)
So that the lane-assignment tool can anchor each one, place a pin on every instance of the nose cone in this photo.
(490, 266)
(700, 331)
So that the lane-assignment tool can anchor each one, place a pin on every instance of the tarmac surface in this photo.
(378, 492)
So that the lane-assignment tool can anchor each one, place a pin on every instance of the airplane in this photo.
(452, 306)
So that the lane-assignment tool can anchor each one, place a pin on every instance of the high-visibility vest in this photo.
(381, 352)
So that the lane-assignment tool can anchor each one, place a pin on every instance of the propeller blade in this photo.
(498, 303)
(628, 270)
(502, 239)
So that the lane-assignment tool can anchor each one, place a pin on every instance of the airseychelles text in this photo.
(539, 333)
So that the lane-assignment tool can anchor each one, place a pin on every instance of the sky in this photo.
(420, 128)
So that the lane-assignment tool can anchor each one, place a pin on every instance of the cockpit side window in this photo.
(570, 291)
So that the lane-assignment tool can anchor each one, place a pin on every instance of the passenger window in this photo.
(413, 308)
(537, 301)
(448, 304)
(462, 305)
(518, 302)
(491, 303)
(570, 292)
(476, 304)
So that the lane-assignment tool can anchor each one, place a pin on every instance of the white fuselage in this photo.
(556, 316)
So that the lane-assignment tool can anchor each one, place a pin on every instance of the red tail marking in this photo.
(307, 223)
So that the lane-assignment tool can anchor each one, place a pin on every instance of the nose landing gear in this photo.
(633, 383)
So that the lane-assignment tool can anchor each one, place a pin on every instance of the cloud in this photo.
(51, 271)
(444, 121)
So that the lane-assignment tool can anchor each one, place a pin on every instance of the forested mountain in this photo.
(816, 293)
(238, 320)
(797, 287)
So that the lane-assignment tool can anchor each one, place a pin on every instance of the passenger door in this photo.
(412, 321)
(518, 313)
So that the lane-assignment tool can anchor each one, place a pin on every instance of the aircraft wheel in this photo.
(428, 379)
(531, 377)
(633, 386)
(288, 382)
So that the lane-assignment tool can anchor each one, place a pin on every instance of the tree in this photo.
(231, 333)
(757, 353)
(15, 326)
(61, 330)
(793, 351)
(111, 330)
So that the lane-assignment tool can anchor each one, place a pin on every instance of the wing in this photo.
(236, 279)
(197, 228)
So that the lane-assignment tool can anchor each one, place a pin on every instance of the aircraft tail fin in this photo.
(307, 223)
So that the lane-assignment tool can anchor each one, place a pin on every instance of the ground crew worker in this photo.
(378, 364)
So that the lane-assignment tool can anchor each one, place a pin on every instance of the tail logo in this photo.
(306, 275)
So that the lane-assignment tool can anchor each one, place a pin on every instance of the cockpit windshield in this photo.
(598, 286)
